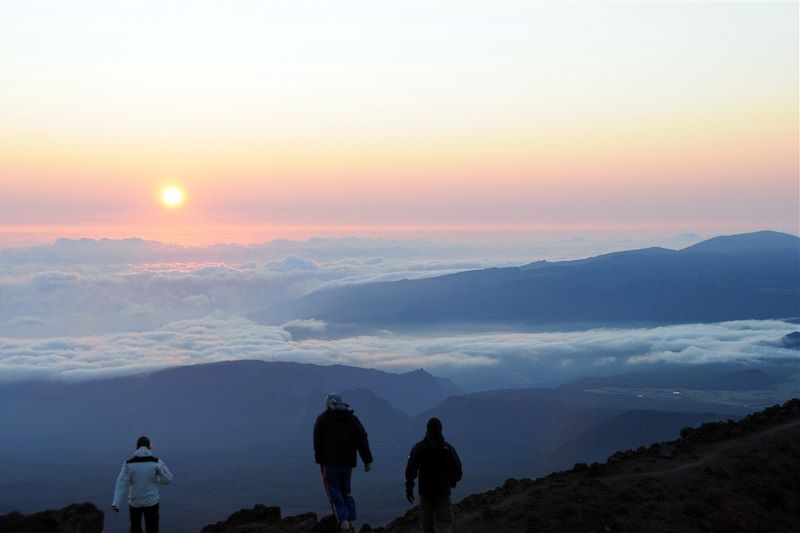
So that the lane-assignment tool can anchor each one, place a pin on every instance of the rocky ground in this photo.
(75, 518)
(721, 477)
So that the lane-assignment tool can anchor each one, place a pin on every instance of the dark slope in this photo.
(75, 518)
(605, 438)
(745, 276)
(726, 477)
(721, 477)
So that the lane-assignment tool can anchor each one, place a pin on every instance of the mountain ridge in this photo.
(746, 276)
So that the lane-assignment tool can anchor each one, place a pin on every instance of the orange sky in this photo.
(289, 120)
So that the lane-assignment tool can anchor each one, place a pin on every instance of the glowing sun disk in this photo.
(172, 196)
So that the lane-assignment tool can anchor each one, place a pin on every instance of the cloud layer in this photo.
(85, 309)
(82, 287)
(218, 337)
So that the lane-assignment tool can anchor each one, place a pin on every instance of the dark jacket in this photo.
(438, 465)
(337, 437)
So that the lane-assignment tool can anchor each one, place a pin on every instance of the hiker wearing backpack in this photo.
(439, 469)
(338, 437)
(141, 475)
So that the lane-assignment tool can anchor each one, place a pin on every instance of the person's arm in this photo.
(119, 488)
(163, 475)
(456, 472)
(362, 443)
(318, 441)
(412, 467)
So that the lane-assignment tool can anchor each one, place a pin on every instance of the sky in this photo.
(295, 119)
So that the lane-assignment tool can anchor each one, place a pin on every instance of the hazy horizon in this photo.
(289, 121)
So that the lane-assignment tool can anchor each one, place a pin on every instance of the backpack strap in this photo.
(142, 459)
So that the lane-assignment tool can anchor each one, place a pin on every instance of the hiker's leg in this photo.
(333, 486)
(444, 515)
(136, 519)
(349, 501)
(151, 519)
(426, 514)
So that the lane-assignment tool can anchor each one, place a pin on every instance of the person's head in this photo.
(334, 402)
(433, 430)
(142, 441)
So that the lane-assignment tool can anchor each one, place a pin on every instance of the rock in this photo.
(263, 519)
(259, 514)
(666, 451)
(307, 520)
(75, 518)
(580, 467)
(329, 524)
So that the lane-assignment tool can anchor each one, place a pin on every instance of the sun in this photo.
(172, 196)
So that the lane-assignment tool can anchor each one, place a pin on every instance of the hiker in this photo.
(439, 470)
(338, 435)
(142, 474)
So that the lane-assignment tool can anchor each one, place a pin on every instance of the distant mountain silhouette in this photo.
(246, 426)
(746, 243)
(748, 276)
(242, 425)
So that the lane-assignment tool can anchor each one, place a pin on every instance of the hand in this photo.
(367, 467)
(115, 508)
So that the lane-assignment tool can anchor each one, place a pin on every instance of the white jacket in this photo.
(141, 474)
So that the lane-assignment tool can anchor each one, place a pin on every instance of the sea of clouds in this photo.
(86, 286)
(83, 309)
(218, 338)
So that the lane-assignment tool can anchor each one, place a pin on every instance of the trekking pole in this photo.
(327, 494)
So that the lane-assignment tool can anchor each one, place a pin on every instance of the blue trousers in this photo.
(337, 487)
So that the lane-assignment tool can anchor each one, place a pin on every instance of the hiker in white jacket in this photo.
(141, 475)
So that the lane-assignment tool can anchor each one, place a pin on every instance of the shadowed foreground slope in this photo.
(739, 476)
(722, 476)
(75, 518)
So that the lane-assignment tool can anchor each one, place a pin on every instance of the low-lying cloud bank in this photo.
(95, 287)
(220, 337)
(96, 300)
(523, 247)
